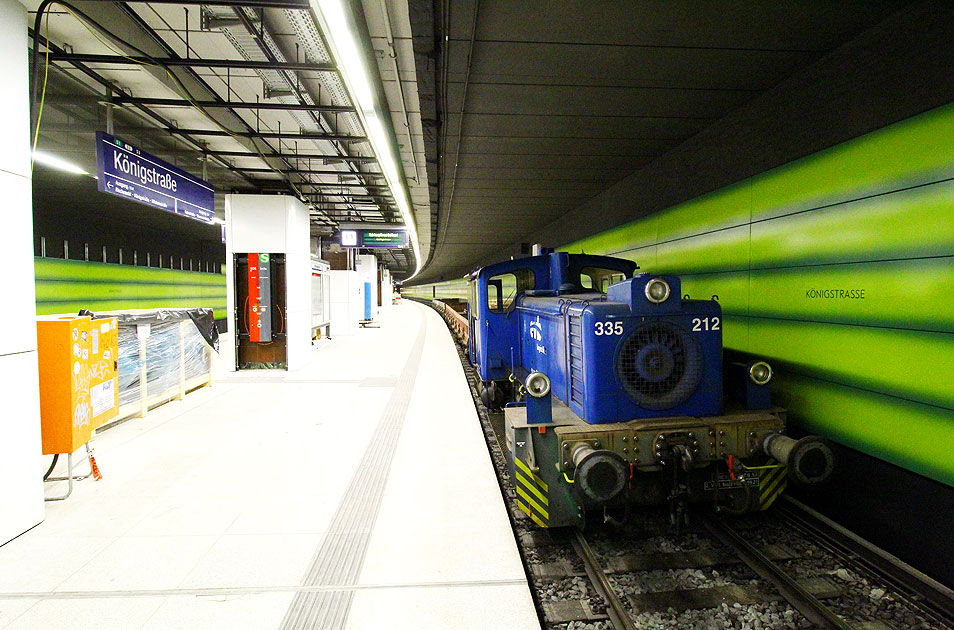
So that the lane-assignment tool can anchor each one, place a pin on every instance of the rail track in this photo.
(722, 574)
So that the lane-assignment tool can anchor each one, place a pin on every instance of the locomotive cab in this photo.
(495, 292)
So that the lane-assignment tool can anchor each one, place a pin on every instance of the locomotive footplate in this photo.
(563, 467)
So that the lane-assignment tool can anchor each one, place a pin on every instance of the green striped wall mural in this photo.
(66, 286)
(838, 268)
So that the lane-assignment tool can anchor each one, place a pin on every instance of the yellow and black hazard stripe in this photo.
(532, 494)
(772, 483)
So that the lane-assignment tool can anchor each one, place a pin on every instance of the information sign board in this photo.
(379, 238)
(260, 298)
(129, 172)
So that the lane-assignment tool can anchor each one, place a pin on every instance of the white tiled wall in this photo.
(21, 486)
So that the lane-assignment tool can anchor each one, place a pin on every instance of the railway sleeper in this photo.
(690, 559)
(730, 594)
(538, 538)
(567, 610)
(651, 561)
(555, 570)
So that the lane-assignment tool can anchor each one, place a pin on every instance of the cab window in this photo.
(503, 289)
(597, 279)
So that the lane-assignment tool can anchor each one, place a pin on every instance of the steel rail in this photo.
(932, 594)
(802, 600)
(615, 608)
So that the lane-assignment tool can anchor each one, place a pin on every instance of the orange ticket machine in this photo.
(77, 359)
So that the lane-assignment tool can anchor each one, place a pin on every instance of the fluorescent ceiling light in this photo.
(346, 48)
(46, 159)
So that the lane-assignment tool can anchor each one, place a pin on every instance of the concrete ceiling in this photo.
(541, 106)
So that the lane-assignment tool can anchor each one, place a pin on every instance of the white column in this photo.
(21, 486)
(273, 224)
(298, 283)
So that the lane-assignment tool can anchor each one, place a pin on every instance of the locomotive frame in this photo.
(612, 387)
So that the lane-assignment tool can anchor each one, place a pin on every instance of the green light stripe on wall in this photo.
(47, 290)
(448, 289)
(906, 224)
(66, 286)
(59, 269)
(910, 151)
(725, 250)
(125, 305)
(913, 436)
(916, 366)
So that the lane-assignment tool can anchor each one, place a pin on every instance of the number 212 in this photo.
(699, 325)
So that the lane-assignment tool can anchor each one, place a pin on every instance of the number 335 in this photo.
(608, 328)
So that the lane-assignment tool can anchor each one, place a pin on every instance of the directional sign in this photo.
(129, 172)
(388, 239)
(383, 238)
(259, 298)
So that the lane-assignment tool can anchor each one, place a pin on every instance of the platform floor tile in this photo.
(356, 492)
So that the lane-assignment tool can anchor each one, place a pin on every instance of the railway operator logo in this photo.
(536, 333)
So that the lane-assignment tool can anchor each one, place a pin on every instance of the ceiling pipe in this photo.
(392, 53)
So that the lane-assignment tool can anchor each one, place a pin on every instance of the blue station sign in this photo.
(129, 172)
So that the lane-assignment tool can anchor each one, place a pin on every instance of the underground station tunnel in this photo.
(477, 314)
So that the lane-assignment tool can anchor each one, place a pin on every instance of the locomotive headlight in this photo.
(657, 290)
(760, 372)
(538, 384)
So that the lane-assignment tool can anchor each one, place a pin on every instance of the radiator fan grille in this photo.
(659, 365)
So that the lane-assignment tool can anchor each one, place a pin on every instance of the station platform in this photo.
(355, 493)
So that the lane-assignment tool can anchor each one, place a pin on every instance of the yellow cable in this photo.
(761, 467)
(46, 73)
(101, 40)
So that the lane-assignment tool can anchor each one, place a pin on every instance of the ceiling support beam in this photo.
(181, 102)
(311, 171)
(335, 185)
(305, 135)
(169, 52)
(145, 111)
(327, 158)
(192, 62)
(303, 5)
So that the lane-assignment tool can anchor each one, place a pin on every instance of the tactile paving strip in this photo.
(340, 556)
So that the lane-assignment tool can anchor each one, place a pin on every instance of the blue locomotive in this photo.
(612, 384)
